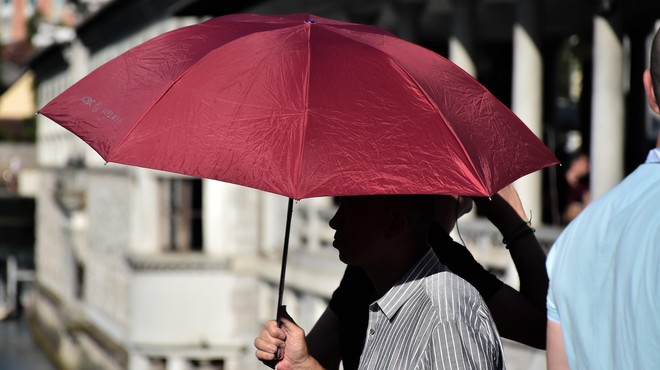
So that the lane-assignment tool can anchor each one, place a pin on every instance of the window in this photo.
(157, 364)
(79, 280)
(181, 214)
(207, 364)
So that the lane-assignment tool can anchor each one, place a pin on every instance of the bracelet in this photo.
(523, 230)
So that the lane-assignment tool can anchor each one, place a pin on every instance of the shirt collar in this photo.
(394, 299)
(654, 156)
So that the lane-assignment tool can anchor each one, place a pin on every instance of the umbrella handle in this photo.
(285, 252)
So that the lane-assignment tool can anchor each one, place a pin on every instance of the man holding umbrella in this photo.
(423, 315)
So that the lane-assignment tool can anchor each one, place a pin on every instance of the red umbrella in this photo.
(300, 106)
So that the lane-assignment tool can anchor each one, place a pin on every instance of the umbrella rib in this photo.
(444, 119)
(298, 164)
(139, 120)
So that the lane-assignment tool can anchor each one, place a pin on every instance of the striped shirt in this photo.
(432, 319)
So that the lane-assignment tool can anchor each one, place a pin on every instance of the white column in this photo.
(461, 47)
(231, 219)
(215, 217)
(177, 363)
(527, 94)
(137, 361)
(461, 41)
(145, 212)
(607, 107)
(78, 57)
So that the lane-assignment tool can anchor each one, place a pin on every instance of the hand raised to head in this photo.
(510, 195)
(504, 209)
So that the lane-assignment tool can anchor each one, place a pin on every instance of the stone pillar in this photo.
(462, 49)
(78, 57)
(137, 361)
(177, 363)
(461, 41)
(607, 102)
(145, 217)
(527, 93)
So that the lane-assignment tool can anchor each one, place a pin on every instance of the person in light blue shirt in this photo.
(604, 296)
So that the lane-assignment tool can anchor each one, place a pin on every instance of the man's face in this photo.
(360, 224)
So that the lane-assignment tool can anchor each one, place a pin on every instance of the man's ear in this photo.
(650, 94)
(397, 223)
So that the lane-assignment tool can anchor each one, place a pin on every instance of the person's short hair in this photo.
(421, 207)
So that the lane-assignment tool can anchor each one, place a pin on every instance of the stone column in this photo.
(461, 47)
(527, 93)
(176, 363)
(461, 41)
(607, 102)
(145, 217)
(78, 57)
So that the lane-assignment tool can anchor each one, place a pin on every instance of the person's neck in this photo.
(385, 275)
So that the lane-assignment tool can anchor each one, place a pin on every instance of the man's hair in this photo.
(420, 207)
(655, 65)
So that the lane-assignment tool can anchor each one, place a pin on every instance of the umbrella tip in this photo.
(311, 20)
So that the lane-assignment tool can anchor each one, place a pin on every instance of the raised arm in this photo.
(505, 211)
(520, 315)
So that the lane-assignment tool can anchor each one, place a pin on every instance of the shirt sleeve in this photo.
(654, 156)
(457, 345)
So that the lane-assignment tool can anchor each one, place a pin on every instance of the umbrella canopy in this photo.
(300, 106)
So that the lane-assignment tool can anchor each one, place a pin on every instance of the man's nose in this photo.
(334, 221)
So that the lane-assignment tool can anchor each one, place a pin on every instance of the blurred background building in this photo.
(143, 270)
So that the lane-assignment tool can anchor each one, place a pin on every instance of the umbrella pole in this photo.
(285, 252)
